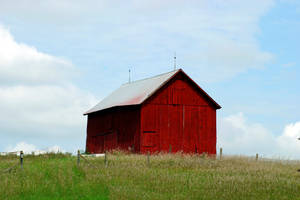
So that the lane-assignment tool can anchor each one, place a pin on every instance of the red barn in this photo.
(168, 112)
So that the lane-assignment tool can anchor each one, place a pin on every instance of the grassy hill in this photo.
(128, 176)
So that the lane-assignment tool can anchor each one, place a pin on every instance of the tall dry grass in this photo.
(169, 176)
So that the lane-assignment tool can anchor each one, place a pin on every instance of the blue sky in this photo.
(59, 58)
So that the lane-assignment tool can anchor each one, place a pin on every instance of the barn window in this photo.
(149, 138)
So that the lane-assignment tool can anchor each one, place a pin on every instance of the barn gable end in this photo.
(178, 117)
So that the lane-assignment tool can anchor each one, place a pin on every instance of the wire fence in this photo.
(20, 155)
(80, 157)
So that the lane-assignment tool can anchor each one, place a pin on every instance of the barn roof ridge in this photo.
(151, 77)
(137, 92)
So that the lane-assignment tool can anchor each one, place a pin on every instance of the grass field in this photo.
(127, 176)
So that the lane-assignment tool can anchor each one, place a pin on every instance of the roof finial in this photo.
(129, 79)
(175, 61)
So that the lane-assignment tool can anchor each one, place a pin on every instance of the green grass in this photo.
(128, 176)
(49, 177)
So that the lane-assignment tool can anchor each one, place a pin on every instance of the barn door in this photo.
(150, 130)
(175, 127)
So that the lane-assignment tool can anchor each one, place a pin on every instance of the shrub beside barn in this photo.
(168, 112)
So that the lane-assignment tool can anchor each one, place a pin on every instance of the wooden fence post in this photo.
(105, 158)
(148, 158)
(256, 157)
(221, 153)
(21, 159)
(78, 158)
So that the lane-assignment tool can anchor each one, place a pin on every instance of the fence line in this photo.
(88, 162)
(80, 156)
(11, 168)
(14, 166)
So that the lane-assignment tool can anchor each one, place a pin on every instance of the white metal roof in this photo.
(133, 93)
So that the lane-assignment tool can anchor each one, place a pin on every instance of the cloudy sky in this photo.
(59, 58)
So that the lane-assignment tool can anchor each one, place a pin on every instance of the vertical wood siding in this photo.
(178, 118)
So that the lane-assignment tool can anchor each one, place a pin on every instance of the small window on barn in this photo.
(149, 138)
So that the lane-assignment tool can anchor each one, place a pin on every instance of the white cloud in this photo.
(55, 149)
(30, 148)
(236, 135)
(37, 99)
(22, 146)
(45, 110)
(215, 38)
(20, 63)
(288, 142)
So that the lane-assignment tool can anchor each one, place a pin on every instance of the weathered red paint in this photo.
(179, 116)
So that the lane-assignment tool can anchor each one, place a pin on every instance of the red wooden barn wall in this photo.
(113, 128)
(179, 118)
